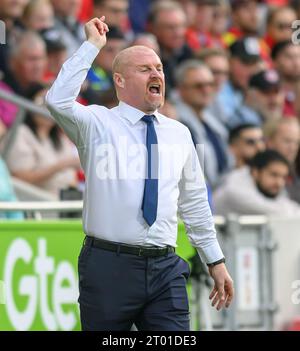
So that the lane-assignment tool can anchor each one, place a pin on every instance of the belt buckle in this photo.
(141, 250)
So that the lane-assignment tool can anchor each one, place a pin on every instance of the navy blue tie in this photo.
(149, 205)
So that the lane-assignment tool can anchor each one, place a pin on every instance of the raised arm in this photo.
(73, 117)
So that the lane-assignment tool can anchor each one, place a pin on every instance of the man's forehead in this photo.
(202, 72)
(143, 57)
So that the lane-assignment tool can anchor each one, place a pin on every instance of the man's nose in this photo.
(155, 73)
(260, 146)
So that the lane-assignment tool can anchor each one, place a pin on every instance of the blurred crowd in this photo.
(232, 70)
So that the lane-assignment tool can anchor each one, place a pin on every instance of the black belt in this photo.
(129, 249)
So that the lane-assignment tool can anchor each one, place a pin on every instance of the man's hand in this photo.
(95, 31)
(222, 293)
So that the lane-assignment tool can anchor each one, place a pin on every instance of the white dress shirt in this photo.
(111, 146)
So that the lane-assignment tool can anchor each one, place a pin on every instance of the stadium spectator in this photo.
(167, 21)
(146, 39)
(195, 84)
(189, 7)
(245, 141)
(284, 136)
(279, 25)
(245, 20)
(198, 35)
(56, 52)
(258, 189)
(38, 15)
(264, 99)
(245, 60)
(10, 12)
(221, 21)
(286, 57)
(218, 62)
(41, 154)
(116, 14)
(27, 63)
(66, 22)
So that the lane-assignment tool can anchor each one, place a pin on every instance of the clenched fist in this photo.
(95, 31)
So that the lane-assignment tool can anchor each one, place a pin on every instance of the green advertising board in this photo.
(38, 274)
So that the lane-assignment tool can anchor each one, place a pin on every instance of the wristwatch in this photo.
(222, 260)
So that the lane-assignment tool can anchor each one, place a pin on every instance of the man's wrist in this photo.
(96, 43)
(212, 264)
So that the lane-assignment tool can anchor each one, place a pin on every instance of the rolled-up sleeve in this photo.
(194, 210)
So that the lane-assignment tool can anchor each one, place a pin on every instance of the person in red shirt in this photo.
(199, 35)
(245, 22)
(222, 15)
(116, 14)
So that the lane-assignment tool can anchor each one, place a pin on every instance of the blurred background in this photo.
(232, 70)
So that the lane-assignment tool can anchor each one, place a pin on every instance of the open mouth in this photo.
(154, 89)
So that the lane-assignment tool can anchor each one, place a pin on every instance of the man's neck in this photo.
(146, 112)
(43, 132)
(198, 112)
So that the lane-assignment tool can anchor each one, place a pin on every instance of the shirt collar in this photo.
(133, 115)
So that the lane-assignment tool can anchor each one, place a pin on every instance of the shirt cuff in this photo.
(211, 253)
(87, 52)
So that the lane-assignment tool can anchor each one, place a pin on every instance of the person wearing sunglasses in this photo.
(195, 93)
(279, 25)
(245, 141)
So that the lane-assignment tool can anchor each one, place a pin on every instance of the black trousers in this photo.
(117, 290)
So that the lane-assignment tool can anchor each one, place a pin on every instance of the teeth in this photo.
(154, 88)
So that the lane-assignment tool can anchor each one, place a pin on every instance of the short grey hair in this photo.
(149, 36)
(26, 39)
(186, 66)
(160, 6)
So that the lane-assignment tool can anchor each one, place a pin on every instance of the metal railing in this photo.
(24, 106)
(37, 209)
(61, 206)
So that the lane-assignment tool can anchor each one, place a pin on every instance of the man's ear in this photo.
(119, 80)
